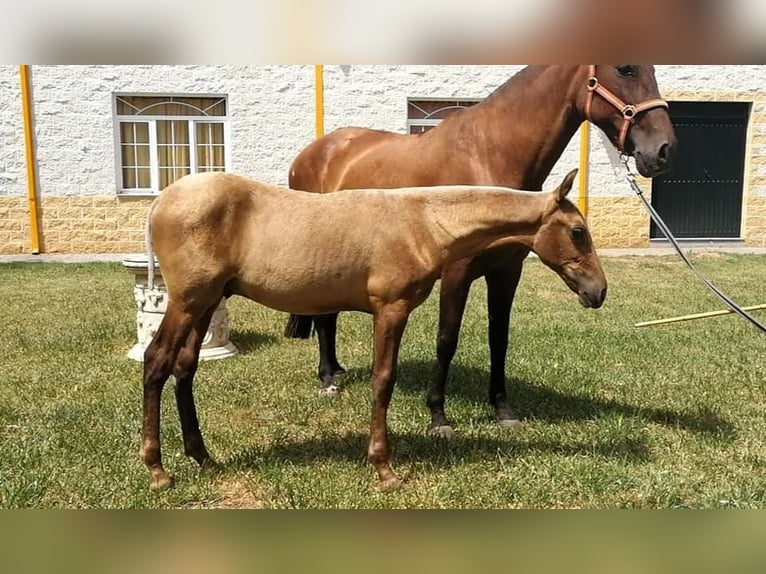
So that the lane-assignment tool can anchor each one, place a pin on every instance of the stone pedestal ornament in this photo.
(151, 305)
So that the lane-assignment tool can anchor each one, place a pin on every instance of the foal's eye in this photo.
(578, 234)
(627, 71)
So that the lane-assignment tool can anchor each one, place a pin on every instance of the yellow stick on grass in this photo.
(696, 316)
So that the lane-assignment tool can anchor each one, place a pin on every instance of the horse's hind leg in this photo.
(184, 371)
(501, 288)
(329, 368)
(159, 358)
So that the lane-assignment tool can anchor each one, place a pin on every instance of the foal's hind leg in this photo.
(501, 288)
(159, 358)
(329, 368)
(184, 371)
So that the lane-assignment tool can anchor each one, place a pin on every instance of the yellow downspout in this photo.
(582, 201)
(319, 83)
(26, 108)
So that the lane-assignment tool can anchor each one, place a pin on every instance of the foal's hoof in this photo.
(329, 391)
(442, 431)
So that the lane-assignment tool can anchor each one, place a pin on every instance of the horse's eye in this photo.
(626, 71)
(578, 234)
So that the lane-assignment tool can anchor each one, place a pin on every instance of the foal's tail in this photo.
(299, 327)
(149, 247)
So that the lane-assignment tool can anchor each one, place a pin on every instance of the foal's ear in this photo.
(566, 185)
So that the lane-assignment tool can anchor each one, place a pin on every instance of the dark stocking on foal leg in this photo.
(329, 368)
(159, 358)
(184, 371)
(501, 288)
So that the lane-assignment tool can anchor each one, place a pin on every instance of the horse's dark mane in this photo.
(526, 75)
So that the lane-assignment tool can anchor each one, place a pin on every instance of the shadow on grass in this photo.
(540, 402)
(247, 341)
(411, 448)
(543, 403)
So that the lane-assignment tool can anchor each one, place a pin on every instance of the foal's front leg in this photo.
(389, 323)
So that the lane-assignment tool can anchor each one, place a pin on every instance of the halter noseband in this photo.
(628, 111)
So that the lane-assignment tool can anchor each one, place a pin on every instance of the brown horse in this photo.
(513, 138)
(219, 234)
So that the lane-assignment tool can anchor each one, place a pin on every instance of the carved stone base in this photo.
(152, 303)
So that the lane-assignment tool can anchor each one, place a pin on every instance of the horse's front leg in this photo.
(455, 284)
(389, 323)
(329, 368)
(501, 289)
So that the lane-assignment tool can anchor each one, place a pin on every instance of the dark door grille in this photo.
(701, 197)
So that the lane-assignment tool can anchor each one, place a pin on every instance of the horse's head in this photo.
(564, 244)
(625, 103)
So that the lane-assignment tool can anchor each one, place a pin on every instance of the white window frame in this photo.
(427, 121)
(151, 121)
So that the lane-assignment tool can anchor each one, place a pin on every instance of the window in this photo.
(163, 138)
(422, 115)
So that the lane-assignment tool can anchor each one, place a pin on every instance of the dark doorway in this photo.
(701, 196)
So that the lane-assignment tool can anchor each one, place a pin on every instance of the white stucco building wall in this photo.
(271, 112)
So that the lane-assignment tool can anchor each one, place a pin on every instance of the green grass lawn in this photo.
(614, 416)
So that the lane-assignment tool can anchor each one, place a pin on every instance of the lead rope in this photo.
(664, 228)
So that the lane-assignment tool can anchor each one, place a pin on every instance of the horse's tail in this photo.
(150, 247)
(299, 327)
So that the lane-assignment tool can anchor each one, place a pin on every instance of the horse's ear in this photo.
(566, 185)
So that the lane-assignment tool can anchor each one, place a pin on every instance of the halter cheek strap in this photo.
(628, 111)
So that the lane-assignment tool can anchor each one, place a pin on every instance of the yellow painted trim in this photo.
(26, 108)
(319, 83)
(582, 201)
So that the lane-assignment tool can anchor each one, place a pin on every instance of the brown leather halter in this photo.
(628, 111)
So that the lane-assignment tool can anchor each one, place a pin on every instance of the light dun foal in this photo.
(219, 234)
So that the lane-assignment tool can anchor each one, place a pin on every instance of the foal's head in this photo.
(564, 244)
(624, 101)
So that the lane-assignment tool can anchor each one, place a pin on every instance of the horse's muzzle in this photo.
(592, 298)
(654, 157)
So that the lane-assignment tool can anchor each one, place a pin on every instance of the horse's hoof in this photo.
(390, 484)
(329, 391)
(511, 424)
(159, 483)
(443, 431)
(210, 466)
